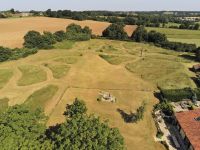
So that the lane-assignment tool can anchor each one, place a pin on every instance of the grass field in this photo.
(58, 71)
(5, 75)
(64, 45)
(31, 75)
(187, 36)
(13, 30)
(122, 71)
(3, 104)
(40, 97)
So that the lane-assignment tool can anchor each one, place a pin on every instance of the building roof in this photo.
(190, 125)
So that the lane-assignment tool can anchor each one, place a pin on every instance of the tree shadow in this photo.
(188, 57)
(196, 81)
(128, 118)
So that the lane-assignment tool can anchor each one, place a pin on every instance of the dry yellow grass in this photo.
(13, 30)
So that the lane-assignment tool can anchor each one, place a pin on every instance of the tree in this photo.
(77, 108)
(196, 26)
(140, 34)
(60, 35)
(115, 31)
(33, 39)
(81, 132)
(21, 128)
(198, 54)
(5, 53)
(156, 37)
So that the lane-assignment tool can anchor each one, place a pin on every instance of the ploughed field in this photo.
(51, 79)
(13, 30)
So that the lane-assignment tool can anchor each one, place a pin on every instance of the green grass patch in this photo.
(5, 75)
(58, 71)
(154, 70)
(67, 60)
(40, 97)
(66, 44)
(31, 75)
(108, 49)
(116, 60)
(176, 80)
(3, 104)
(179, 35)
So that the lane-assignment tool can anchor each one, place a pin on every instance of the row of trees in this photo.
(159, 39)
(14, 54)
(34, 39)
(116, 31)
(150, 19)
(22, 128)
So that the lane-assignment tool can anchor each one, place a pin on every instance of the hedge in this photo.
(175, 95)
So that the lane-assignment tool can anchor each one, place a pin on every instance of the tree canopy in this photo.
(115, 32)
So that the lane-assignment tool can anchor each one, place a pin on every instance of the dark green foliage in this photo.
(156, 37)
(159, 39)
(33, 39)
(5, 54)
(21, 128)
(81, 132)
(75, 32)
(140, 34)
(140, 112)
(60, 36)
(176, 95)
(198, 54)
(48, 40)
(116, 32)
(133, 117)
(77, 108)
(14, 54)
(165, 107)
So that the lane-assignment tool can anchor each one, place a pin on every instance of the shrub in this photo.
(75, 32)
(115, 31)
(5, 54)
(140, 34)
(60, 36)
(176, 95)
(33, 39)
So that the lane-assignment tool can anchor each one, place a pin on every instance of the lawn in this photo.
(67, 60)
(40, 97)
(132, 79)
(5, 75)
(187, 36)
(64, 45)
(162, 72)
(31, 75)
(3, 104)
(58, 71)
(116, 59)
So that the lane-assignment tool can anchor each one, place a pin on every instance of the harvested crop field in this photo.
(13, 30)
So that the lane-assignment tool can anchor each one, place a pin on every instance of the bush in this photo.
(176, 95)
(75, 32)
(140, 34)
(115, 32)
(33, 39)
(14, 54)
(60, 36)
(5, 54)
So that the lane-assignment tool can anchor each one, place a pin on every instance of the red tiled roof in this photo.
(190, 126)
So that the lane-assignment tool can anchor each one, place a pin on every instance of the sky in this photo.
(113, 5)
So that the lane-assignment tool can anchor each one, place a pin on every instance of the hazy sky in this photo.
(130, 5)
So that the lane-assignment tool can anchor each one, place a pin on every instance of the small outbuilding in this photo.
(196, 68)
(106, 96)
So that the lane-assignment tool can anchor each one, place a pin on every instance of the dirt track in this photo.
(12, 31)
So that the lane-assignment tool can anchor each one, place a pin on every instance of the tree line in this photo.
(23, 128)
(116, 31)
(34, 39)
